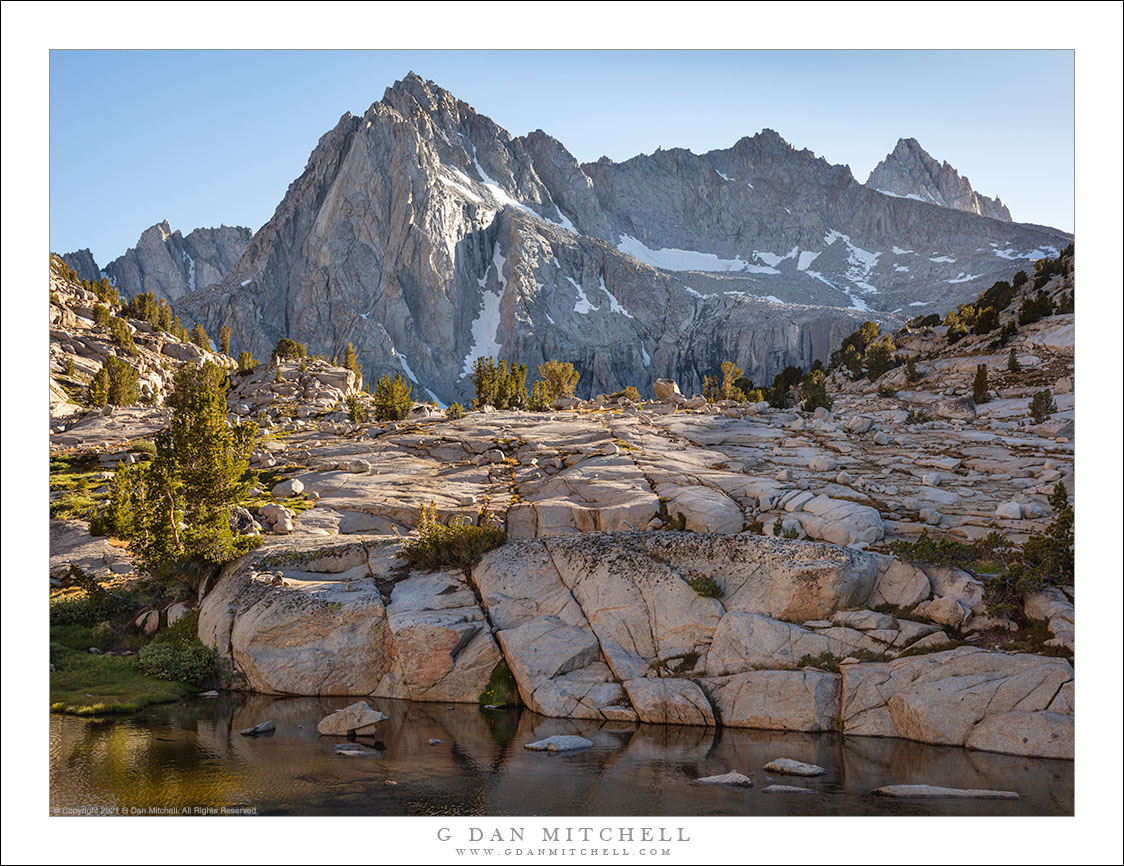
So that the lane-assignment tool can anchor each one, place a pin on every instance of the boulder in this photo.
(358, 718)
(840, 521)
(1009, 510)
(176, 611)
(957, 408)
(323, 634)
(258, 729)
(934, 792)
(823, 463)
(287, 489)
(942, 697)
(669, 701)
(791, 767)
(777, 700)
(858, 424)
(899, 584)
(667, 391)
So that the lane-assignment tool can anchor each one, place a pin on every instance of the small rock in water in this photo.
(211, 694)
(789, 767)
(559, 743)
(932, 792)
(788, 789)
(731, 779)
(264, 728)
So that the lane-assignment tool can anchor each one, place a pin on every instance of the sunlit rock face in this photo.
(428, 236)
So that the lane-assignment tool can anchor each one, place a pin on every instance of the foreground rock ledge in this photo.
(675, 628)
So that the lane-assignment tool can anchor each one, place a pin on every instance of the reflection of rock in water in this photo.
(192, 751)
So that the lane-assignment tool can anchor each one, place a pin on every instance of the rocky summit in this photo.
(909, 172)
(428, 236)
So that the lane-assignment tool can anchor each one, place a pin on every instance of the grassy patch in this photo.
(72, 479)
(501, 689)
(89, 685)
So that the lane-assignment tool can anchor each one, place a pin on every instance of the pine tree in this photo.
(97, 392)
(224, 339)
(731, 373)
(246, 363)
(392, 398)
(175, 509)
(351, 361)
(1042, 406)
(101, 316)
(979, 386)
(199, 337)
(814, 389)
(1013, 361)
(540, 399)
(124, 382)
(561, 378)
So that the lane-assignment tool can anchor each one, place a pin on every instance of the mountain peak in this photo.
(908, 171)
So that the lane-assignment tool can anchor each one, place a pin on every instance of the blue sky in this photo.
(208, 137)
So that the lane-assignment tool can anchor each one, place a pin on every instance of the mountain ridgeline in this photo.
(428, 236)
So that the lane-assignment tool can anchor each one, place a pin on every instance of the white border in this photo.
(1093, 29)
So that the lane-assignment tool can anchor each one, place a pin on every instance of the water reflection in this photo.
(191, 754)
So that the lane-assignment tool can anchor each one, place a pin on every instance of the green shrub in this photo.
(850, 353)
(1042, 406)
(102, 317)
(92, 604)
(706, 586)
(287, 348)
(1045, 560)
(454, 412)
(196, 665)
(629, 393)
(1013, 361)
(917, 416)
(392, 398)
(144, 446)
(458, 545)
(912, 374)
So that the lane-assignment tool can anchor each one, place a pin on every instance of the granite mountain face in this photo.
(428, 236)
(910, 172)
(167, 263)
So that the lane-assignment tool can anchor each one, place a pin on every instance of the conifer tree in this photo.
(224, 339)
